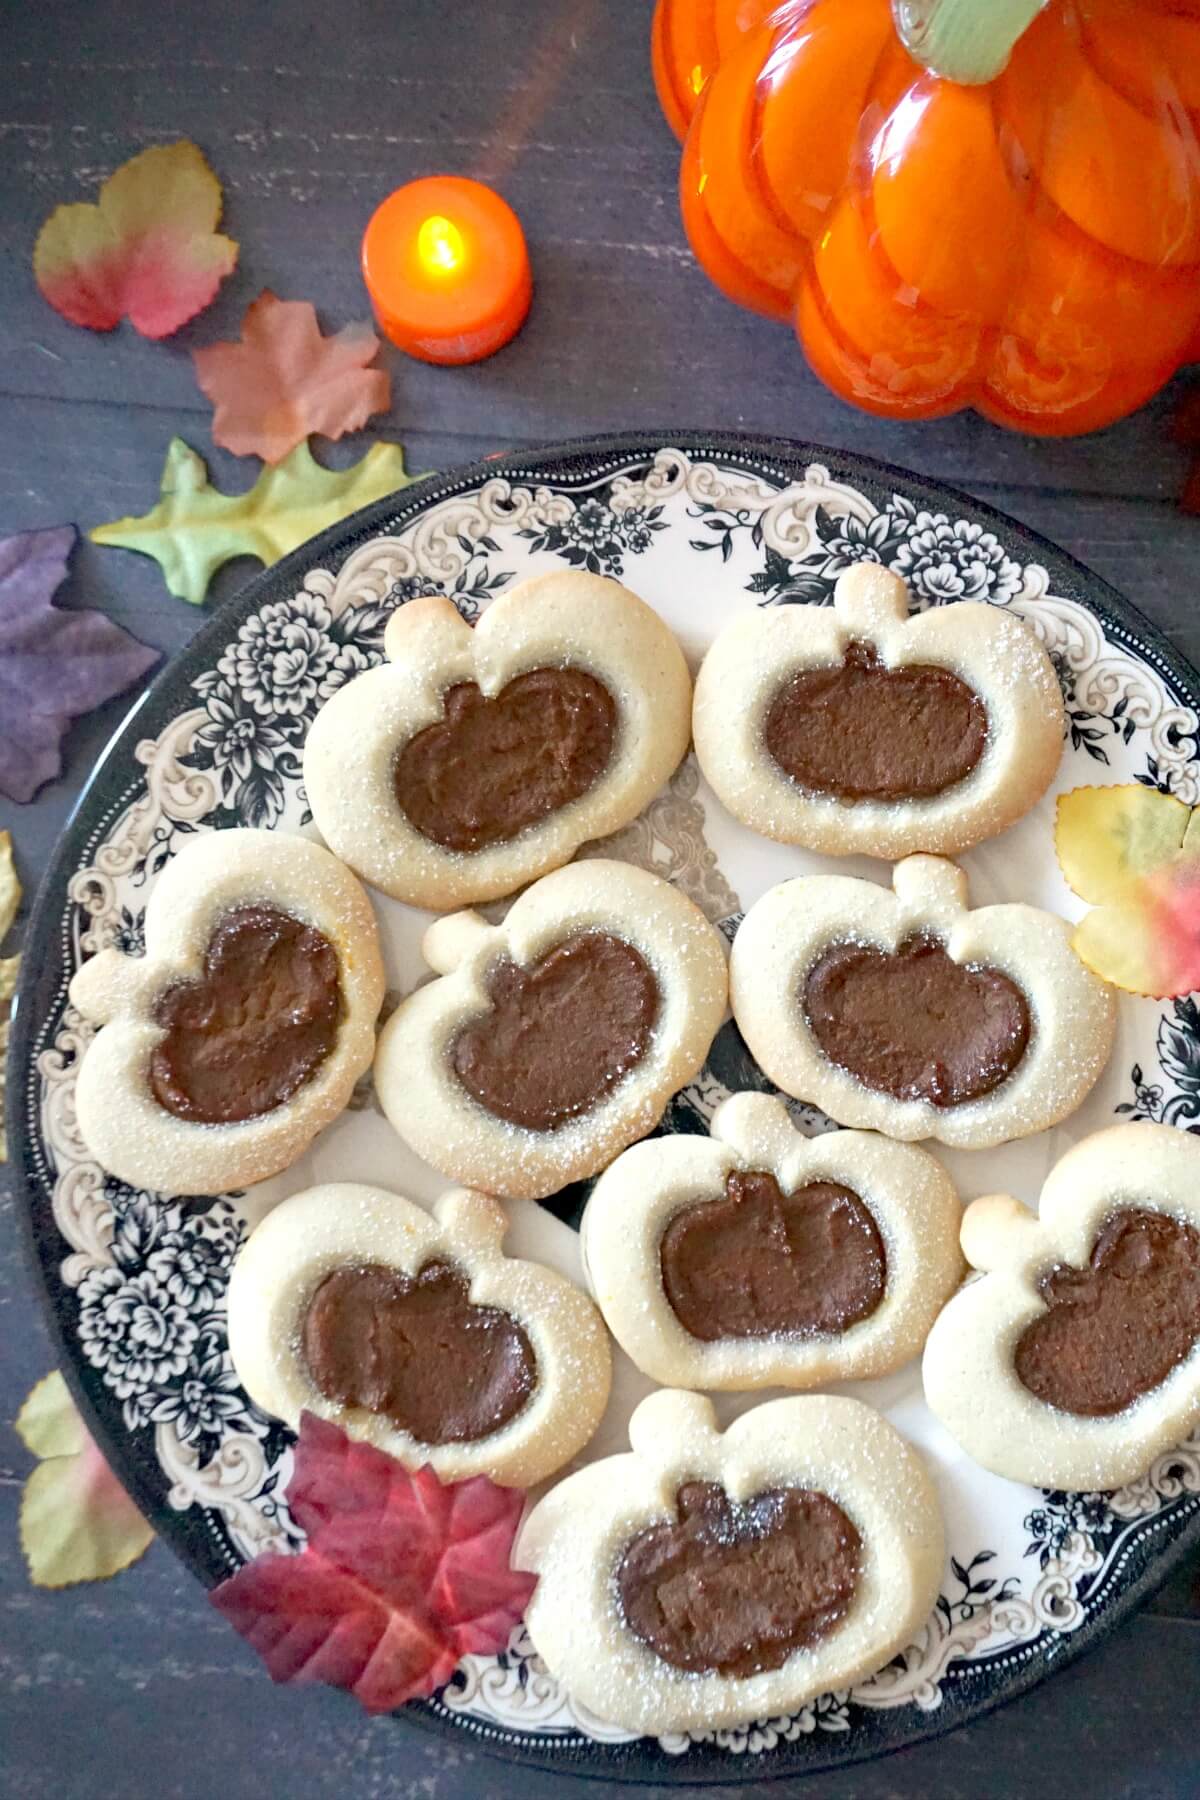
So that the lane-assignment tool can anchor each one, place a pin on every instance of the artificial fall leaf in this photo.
(149, 249)
(402, 1577)
(10, 886)
(195, 528)
(77, 1521)
(10, 901)
(54, 665)
(283, 380)
(1134, 854)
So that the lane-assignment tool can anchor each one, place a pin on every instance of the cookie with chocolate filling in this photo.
(416, 1333)
(553, 1040)
(711, 1578)
(912, 1014)
(858, 728)
(478, 758)
(241, 1032)
(1075, 1362)
(758, 1257)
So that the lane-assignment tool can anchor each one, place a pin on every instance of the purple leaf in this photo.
(54, 665)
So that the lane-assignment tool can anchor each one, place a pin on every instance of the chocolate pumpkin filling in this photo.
(418, 1350)
(1116, 1329)
(861, 731)
(734, 1589)
(255, 1027)
(916, 1025)
(493, 767)
(762, 1263)
(561, 1034)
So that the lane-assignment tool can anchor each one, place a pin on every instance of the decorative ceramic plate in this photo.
(136, 1284)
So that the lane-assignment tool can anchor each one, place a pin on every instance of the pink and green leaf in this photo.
(77, 1523)
(148, 250)
(1135, 855)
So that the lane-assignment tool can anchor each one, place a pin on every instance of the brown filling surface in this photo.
(415, 1349)
(916, 1025)
(256, 1026)
(561, 1034)
(735, 1589)
(1117, 1328)
(865, 732)
(492, 768)
(761, 1262)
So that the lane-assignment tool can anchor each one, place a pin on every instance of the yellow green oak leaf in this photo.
(77, 1521)
(1134, 855)
(195, 527)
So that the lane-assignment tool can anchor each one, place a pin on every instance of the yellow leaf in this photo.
(1135, 854)
(1116, 942)
(10, 886)
(66, 1538)
(49, 1423)
(195, 528)
(77, 1523)
(1108, 838)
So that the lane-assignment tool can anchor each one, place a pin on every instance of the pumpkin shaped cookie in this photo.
(478, 758)
(556, 1038)
(912, 1014)
(858, 728)
(711, 1578)
(241, 1032)
(417, 1333)
(1075, 1361)
(761, 1258)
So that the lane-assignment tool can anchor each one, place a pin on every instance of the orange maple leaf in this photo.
(283, 380)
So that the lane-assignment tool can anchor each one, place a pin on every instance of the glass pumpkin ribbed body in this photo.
(1029, 246)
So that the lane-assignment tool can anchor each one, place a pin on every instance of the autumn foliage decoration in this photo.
(403, 1575)
(148, 249)
(1023, 238)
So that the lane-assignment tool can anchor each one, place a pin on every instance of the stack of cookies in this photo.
(704, 1578)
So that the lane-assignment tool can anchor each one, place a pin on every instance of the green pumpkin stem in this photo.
(963, 40)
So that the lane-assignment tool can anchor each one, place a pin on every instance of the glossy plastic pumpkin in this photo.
(1024, 239)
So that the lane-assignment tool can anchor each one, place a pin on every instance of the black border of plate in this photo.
(585, 461)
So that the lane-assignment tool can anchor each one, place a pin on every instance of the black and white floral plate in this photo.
(135, 1284)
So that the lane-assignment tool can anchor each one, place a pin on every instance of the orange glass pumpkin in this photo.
(1027, 244)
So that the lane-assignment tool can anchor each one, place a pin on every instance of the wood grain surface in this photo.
(310, 113)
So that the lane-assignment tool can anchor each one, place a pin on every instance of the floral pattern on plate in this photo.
(137, 1284)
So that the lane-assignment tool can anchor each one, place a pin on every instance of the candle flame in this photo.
(440, 245)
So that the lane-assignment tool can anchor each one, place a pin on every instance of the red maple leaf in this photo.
(282, 380)
(402, 1577)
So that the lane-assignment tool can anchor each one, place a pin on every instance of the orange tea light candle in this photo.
(447, 269)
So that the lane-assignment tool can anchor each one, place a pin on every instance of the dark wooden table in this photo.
(310, 112)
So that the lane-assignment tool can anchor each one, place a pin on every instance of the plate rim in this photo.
(783, 458)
